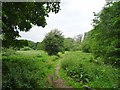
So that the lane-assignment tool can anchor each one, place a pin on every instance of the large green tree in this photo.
(108, 33)
(104, 40)
(21, 16)
(54, 42)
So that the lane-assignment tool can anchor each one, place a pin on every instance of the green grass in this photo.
(30, 69)
(70, 81)
(81, 69)
(27, 69)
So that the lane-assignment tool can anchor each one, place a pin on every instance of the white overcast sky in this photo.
(75, 17)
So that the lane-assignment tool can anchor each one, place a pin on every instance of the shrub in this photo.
(24, 71)
(8, 51)
(26, 48)
(82, 68)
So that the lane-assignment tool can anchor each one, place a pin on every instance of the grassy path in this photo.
(57, 81)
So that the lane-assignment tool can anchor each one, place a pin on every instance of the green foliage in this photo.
(76, 46)
(109, 30)
(20, 16)
(53, 42)
(88, 42)
(83, 69)
(85, 47)
(74, 68)
(103, 41)
(32, 44)
(25, 70)
(40, 46)
(7, 52)
(26, 48)
(71, 44)
(70, 81)
(15, 44)
(68, 44)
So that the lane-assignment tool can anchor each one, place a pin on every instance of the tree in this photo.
(16, 44)
(73, 44)
(104, 39)
(87, 41)
(40, 46)
(54, 42)
(68, 44)
(78, 38)
(109, 29)
(21, 16)
(31, 44)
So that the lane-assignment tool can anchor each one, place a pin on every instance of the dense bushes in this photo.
(103, 41)
(86, 47)
(72, 44)
(86, 43)
(81, 67)
(68, 44)
(26, 48)
(71, 63)
(24, 70)
(109, 30)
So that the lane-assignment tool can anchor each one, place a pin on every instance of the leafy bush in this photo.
(24, 70)
(71, 64)
(104, 39)
(82, 68)
(26, 48)
(8, 51)
(86, 48)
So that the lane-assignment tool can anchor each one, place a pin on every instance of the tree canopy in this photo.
(21, 16)
(54, 42)
(104, 39)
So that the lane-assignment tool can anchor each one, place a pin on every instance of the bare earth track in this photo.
(59, 83)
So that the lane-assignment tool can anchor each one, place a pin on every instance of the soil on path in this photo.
(59, 83)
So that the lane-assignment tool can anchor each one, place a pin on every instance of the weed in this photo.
(82, 68)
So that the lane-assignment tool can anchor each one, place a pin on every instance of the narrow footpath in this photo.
(59, 82)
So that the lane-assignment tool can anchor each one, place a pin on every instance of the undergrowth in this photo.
(26, 69)
(81, 69)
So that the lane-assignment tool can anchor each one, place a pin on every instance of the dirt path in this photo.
(59, 83)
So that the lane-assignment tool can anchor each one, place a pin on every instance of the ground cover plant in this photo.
(31, 69)
(83, 69)
(26, 69)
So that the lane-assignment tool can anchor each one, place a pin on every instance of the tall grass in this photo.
(82, 68)
(26, 69)
(30, 69)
